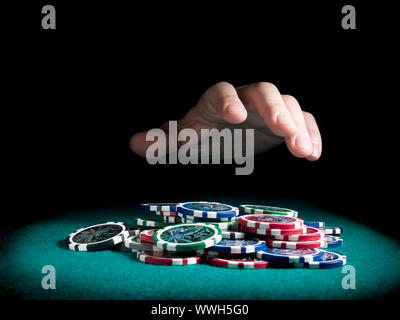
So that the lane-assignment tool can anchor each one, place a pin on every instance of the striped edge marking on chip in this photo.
(289, 255)
(134, 243)
(208, 253)
(97, 237)
(275, 232)
(238, 246)
(233, 235)
(201, 219)
(158, 206)
(256, 209)
(178, 261)
(314, 224)
(312, 234)
(210, 210)
(225, 226)
(245, 263)
(296, 244)
(187, 237)
(329, 260)
(268, 221)
(147, 235)
(170, 254)
(134, 231)
(121, 247)
(332, 242)
(172, 219)
(164, 213)
(150, 223)
(333, 231)
(235, 226)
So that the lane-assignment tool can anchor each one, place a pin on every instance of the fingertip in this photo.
(316, 153)
(138, 143)
(312, 158)
(300, 146)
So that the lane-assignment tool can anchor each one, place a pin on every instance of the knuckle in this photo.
(275, 105)
(215, 90)
(290, 99)
(222, 85)
(308, 116)
(265, 86)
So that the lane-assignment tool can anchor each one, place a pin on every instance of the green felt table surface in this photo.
(112, 274)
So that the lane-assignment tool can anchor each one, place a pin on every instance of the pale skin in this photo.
(275, 118)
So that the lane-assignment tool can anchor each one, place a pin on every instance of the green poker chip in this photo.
(187, 237)
(150, 223)
(260, 209)
(224, 226)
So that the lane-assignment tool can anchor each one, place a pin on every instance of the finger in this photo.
(315, 136)
(268, 102)
(139, 144)
(299, 143)
(221, 102)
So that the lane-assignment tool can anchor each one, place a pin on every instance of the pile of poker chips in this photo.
(248, 236)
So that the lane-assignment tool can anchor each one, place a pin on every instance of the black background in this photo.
(111, 69)
(73, 97)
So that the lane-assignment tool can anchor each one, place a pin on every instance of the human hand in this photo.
(275, 118)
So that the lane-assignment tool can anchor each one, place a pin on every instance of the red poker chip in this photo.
(168, 261)
(270, 221)
(147, 235)
(296, 244)
(311, 235)
(165, 213)
(275, 232)
(243, 263)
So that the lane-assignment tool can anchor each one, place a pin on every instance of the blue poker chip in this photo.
(158, 206)
(238, 246)
(290, 255)
(314, 224)
(197, 219)
(333, 242)
(207, 210)
(332, 230)
(329, 260)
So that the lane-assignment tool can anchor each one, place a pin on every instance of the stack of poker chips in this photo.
(250, 237)
(185, 230)
(290, 240)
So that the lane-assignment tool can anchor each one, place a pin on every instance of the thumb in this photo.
(139, 144)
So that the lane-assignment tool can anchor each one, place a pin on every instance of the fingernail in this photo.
(316, 150)
(284, 118)
(302, 141)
